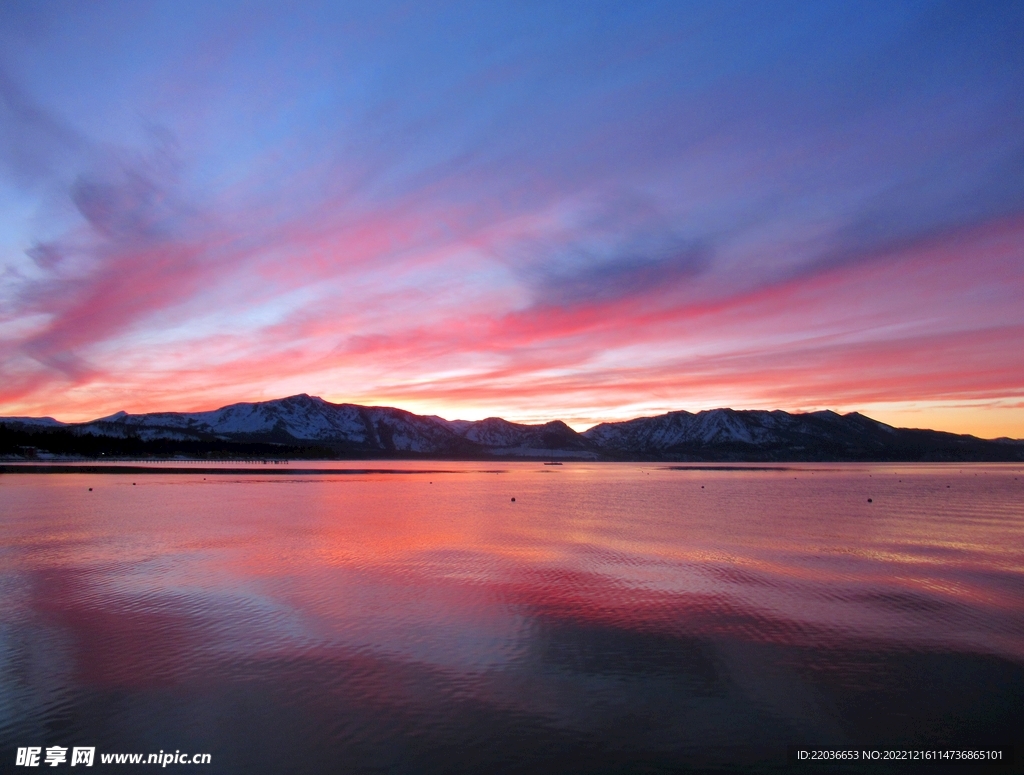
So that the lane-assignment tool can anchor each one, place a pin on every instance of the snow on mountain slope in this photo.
(365, 431)
(301, 417)
(497, 434)
(675, 428)
(306, 418)
(40, 422)
(727, 427)
(458, 426)
(398, 430)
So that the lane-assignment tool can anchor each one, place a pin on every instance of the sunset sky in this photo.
(537, 211)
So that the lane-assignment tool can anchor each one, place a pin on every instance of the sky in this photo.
(580, 211)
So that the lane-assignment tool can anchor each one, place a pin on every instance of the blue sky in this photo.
(581, 211)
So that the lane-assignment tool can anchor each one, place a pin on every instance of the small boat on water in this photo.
(552, 464)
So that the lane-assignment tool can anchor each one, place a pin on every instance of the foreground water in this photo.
(612, 618)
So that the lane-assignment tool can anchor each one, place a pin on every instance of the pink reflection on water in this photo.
(427, 612)
(444, 568)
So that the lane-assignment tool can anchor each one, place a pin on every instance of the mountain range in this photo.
(308, 426)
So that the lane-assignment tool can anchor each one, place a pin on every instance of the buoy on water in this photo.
(513, 500)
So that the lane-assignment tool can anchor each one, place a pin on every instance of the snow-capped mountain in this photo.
(718, 427)
(41, 422)
(286, 420)
(309, 423)
(503, 437)
(728, 434)
(344, 428)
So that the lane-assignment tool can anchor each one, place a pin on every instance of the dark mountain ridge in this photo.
(307, 426)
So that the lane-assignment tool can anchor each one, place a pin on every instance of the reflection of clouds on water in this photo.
(601, 623)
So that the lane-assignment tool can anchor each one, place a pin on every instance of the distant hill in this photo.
(307, 426)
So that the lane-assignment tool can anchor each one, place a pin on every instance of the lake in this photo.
(411, 617)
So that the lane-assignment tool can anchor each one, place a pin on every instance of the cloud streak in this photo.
(493, 211)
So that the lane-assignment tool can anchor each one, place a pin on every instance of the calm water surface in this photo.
(613, 618)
